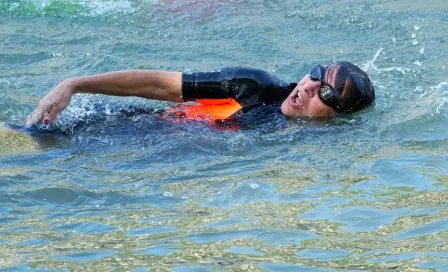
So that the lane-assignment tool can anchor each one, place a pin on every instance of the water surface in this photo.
(112, 187)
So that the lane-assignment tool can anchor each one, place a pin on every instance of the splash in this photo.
(371, 65)
(442, 100)
(83, 109)
(60, 8)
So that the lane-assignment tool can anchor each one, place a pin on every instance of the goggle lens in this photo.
(327, 94)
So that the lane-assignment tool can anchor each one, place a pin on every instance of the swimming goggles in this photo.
(329, 95)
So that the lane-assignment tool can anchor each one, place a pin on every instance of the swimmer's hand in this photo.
(52, 104)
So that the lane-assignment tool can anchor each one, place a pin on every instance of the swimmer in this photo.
(336, 89)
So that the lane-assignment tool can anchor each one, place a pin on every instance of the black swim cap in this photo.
(353, 85)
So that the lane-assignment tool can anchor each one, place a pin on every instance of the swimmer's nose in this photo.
(312, 88)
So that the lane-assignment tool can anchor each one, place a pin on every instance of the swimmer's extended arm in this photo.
(159, 85)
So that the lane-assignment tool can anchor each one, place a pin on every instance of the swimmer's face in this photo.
(304, 100)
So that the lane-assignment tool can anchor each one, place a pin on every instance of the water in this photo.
(110, 187)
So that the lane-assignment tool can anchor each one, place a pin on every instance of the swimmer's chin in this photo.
(296, 116)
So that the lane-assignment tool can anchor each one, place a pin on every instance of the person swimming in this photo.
(339, 88)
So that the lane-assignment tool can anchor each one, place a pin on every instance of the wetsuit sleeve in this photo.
(208, 85)
(247, 86)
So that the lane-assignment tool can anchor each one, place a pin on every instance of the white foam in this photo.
(418, 63)
(4, 81)
(93, 7)
(108, 7)
(81, 107)
(442, 90)
(254, 186)
(14, 6)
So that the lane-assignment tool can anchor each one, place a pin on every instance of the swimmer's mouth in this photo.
(297, 98)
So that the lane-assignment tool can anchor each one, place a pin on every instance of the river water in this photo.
(110, 186)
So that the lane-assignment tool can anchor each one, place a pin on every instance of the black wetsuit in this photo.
(249, 87)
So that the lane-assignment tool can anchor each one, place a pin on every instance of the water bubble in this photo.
(167, 194)
(413, 35)
(394, 40)
(418, 63)
(416, 27)
(414, 42)
(254, 186)
(422, 50)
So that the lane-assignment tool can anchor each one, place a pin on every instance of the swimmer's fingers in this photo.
(51, 105)
(32, 119)
(42, 111)
(51, 114)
